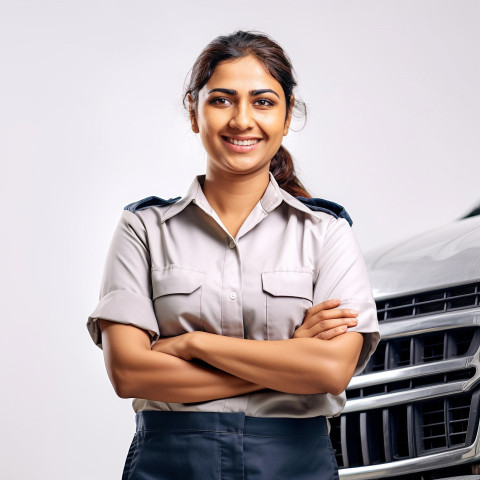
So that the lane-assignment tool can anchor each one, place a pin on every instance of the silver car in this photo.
(414, 413)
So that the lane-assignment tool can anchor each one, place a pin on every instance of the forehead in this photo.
(242, 74)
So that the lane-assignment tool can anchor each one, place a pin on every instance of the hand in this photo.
(177, 346)
(325, 321)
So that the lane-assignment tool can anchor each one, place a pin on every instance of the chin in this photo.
(246, 164)
(248, 167)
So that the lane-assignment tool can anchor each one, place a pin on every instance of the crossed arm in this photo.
(320, 358)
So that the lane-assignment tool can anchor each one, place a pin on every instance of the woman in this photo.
(219, 312)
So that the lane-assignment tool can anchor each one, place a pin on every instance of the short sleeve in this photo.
(126, 292)
(343, 275)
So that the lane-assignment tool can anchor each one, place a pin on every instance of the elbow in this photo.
(335, 382)
(122, 383)
(339, 381)
(336, 370)
(337, 389)
(122, 391)
(334, 388)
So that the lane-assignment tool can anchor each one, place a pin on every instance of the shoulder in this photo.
(326, 206)
(316, 207)
(148, 202)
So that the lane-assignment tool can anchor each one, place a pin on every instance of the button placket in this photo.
(232, 310)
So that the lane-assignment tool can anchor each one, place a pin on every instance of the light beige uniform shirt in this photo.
(173, 269)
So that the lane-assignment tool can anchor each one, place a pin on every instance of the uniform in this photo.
(173, 268)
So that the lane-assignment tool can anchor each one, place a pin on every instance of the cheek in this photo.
(275, 128)
(210, 125)
(273, 124)
(209, 136)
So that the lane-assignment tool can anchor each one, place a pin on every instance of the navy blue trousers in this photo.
(229, 446)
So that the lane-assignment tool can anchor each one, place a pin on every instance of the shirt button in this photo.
(233, 296)
(232, 244)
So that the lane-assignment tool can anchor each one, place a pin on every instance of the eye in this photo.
(264, 102)
(221, 101)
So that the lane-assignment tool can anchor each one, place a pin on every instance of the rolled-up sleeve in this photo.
(343, 275)
(126, 292)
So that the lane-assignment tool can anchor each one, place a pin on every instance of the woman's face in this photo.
(241, 117)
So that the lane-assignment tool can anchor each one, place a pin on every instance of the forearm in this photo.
(298, 365)
(162, 377)
(137, 371)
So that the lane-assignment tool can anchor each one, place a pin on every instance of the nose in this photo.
(242, 118)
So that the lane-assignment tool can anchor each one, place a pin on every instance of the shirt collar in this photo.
(290, 200)
(271, 199)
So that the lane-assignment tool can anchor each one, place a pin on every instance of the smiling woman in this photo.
(235, 316)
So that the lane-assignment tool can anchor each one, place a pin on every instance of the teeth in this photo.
(243, 142)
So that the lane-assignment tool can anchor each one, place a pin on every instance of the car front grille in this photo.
(418, 395)
(437, 301)
(404, 431)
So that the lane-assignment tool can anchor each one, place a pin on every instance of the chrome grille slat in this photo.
(343, 443)
(407, 466)
(433, 323)
(407, 373)
(364, 446)
(387, 440)
(397, 398)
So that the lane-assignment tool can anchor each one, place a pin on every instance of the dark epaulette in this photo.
(150, 202)
(321, 205)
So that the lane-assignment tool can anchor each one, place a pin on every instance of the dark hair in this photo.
(274, 59)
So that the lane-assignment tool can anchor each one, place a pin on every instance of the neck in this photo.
(234, 197)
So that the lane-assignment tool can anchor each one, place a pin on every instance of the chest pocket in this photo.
(288, 296)
(177, 294)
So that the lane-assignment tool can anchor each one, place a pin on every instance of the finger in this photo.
(324, 326)
(327, 304)
(335, 313)
(332, 333)
(331, 324)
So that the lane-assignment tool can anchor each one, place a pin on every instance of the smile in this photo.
(243, 143)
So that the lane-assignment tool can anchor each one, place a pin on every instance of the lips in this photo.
(241, 145)
(243, 142)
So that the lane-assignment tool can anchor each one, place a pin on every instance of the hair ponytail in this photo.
(283, 170)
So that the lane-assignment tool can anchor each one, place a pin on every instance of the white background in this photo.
(91, 119)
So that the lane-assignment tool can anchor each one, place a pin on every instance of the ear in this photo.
(192, 113)
(289, 115)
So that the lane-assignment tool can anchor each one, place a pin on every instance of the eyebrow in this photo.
(253, 93)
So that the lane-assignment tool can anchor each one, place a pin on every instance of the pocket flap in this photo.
(176, 280)
(288, 284)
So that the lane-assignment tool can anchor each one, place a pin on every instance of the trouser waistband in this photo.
(233, 422)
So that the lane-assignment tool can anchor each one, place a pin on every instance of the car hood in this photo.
(444, 257)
